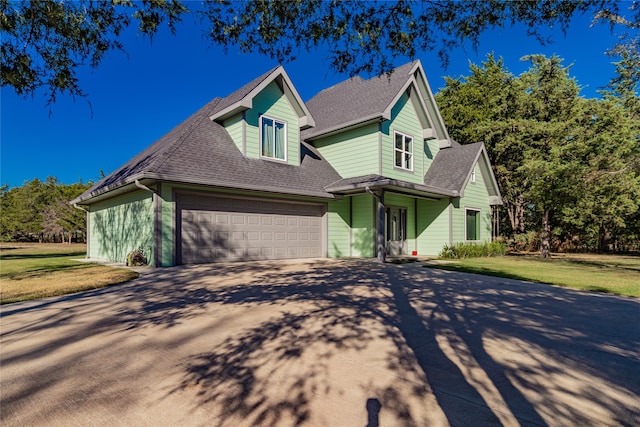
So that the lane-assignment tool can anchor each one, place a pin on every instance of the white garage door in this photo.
(228, 229)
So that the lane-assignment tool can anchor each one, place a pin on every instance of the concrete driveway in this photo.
(321, 343)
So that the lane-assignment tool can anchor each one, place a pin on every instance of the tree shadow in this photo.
(435, 334)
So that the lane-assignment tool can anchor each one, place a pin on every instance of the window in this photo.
(473, 176)
(274, 138)
(472, 219)
(403, 151)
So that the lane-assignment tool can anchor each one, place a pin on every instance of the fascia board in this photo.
(345, 126)
(234, 185)
(112, 190)
(289, 90)
(394, 184)
(489, 171)
(429, 96)
(306, 119)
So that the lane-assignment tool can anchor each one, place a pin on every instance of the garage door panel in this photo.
(224, 229)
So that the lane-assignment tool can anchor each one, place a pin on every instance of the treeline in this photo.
(568, 167)
(39, 211)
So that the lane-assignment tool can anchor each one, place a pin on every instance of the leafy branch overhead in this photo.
(44, 43)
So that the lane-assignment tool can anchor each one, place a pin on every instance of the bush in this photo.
(136, 258)
(473, 250)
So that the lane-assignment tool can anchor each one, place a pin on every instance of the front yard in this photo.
(33, 271)
(614, 274)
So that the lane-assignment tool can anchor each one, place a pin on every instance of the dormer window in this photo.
(273, 135)
(403, 151)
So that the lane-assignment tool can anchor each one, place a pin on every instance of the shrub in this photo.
(136, 258)
(473, 250)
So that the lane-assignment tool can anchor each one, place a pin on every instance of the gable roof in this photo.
(200, 151)
(355, 102)
(242, 99)
(451, 169)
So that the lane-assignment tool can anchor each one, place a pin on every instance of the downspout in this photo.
(75, 205)
(382, 253)
(450, 221)
(143, 187)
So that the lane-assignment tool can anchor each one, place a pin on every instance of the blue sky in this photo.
(137, 99)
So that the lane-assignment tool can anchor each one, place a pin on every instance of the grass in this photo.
(33, 271)
(614, 274)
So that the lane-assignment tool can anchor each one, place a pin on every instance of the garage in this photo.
(216, 228)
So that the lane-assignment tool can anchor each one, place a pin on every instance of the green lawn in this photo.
(32, 271)
(613, 274)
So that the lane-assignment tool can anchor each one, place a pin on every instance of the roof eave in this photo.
(393, 185)
(374, 118)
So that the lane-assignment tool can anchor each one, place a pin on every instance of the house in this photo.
(362, 169)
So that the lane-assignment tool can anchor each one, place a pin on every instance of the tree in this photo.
(40, 211)
(45, 42)
(487, 106)
(571, 164)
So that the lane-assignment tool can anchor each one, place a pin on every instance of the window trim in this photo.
(403, 151)
(472, 178)
(286, 138)
(478, 225)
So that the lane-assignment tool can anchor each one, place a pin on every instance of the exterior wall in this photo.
(234, 127)
(476, 196)
(363, 226)
(120, 225)
(433, 226)
(273, 103)
(398, 200)
(352, 153)
(339, 228)
(431, 148)
(404, 119)
(167, 228)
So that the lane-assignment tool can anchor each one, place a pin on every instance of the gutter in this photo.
(143, 187)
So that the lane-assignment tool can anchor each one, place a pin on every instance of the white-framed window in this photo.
(473, 175)
(472, 224)
(273, 138)
(403, 151)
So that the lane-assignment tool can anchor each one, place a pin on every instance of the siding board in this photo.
(121, 225)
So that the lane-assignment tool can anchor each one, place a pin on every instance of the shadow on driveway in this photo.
(322, 343)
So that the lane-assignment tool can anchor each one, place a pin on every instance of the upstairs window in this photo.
(473, 176)
(403, 151)
(274, 138)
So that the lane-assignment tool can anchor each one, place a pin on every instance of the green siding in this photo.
(363, 226)
(121, 225)
(433, 226)
(234, 128)
(167, 258)
(476, 196)
(431, 148)
(273, 103)
(339, 236)
(404, 119)
(352, 153)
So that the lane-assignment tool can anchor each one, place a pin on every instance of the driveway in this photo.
(321, 343)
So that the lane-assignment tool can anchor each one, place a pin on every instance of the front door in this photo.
(396, 231)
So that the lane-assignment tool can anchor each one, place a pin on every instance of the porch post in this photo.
(382, 251)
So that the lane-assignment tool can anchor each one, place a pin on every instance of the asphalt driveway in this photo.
(321, 343)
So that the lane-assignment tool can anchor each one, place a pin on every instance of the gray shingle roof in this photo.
(355, 99)
(451, 166)
(359, 183)
(239, 94)
(201, 151)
